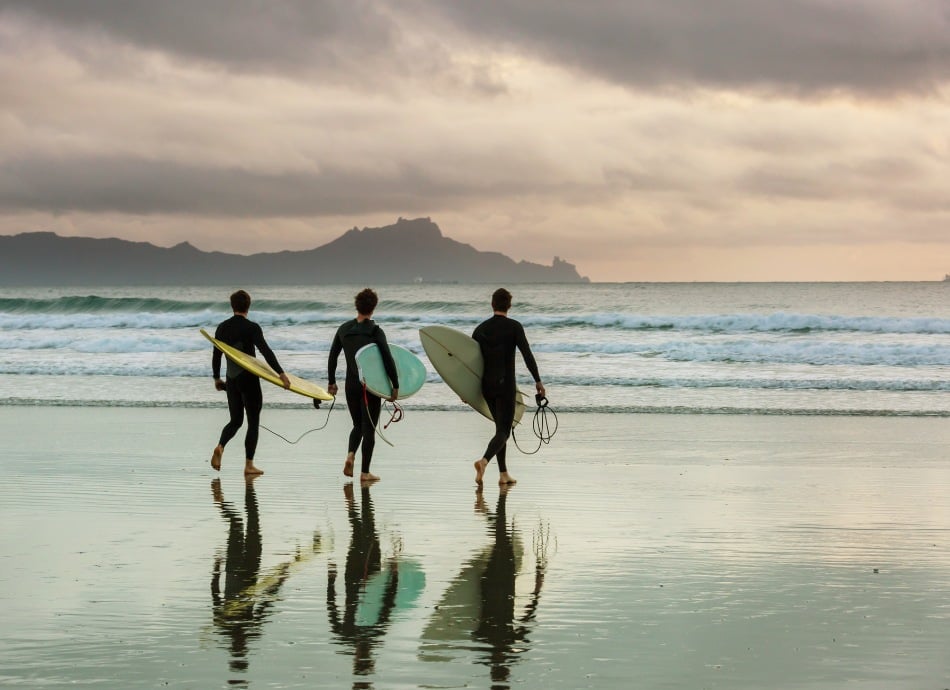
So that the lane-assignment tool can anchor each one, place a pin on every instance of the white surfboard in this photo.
(457, 358)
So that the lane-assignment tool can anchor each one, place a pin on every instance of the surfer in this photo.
(498, 337)
(243, 388)
(363, 406)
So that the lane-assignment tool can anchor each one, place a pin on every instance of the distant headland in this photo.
(409, 251)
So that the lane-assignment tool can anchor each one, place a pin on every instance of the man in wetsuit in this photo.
(243, 387)
(498, 337)
(363, 405)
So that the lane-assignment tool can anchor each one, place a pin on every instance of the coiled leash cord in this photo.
(396, 415)
(543, 430)
(316, 405)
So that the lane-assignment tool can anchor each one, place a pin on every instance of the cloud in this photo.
(806, 47)
(322, 36)
(138, 186)
(875, 48)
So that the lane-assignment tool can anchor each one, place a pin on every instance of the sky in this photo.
(641, 140)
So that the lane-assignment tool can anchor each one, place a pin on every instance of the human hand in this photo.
(395, 394)
(332, 389)
(285, 380)
(220, 385)
(540, 388)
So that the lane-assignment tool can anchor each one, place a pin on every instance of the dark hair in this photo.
(501, 300)
(240, 302)
(366, 301)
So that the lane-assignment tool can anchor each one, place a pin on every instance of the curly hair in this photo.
(366, 301)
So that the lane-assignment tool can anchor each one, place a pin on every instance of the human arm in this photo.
(389, 364)
(269, 355)
(216, 365)
(336, 347)
(521, 340)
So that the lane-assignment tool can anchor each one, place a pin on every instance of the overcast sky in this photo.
(637, 139)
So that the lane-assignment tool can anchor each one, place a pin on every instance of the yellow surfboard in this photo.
(262, 370)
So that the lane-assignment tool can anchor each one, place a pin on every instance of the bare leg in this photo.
(348, 464)
(480, 466)
(216, 457)
(250, 469)
(504, 478)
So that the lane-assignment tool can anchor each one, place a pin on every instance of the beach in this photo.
(656, 550)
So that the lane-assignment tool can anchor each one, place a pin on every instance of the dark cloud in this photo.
(142, 187)
(795, 46)
(282, 36)
(798, 47)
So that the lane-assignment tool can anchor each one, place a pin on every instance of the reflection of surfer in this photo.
(243, 388)
(363, 621)
(241, 609)
(498, 337)
(238, 614)
(497, 626)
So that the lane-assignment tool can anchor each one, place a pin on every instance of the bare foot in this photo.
(250, 470)
(480, 466)
(216, 458)
(367, 478)
(348, 465)
(505, 478)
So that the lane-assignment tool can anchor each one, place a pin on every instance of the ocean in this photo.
(692, 348)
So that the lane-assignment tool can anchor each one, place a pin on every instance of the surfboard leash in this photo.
(540, 425)
(397, 414)
(309, 431)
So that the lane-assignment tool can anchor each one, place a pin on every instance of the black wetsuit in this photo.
(363, 405)
(498, 338)
(244, 388)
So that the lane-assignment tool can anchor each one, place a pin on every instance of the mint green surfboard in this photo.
(410, 369)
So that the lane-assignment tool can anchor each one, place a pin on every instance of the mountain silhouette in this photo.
(405, 252)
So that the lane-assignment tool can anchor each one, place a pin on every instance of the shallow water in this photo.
(637, 550)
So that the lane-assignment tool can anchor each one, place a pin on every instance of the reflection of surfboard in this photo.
(266, 587)
(411, 370)
(262, 370)
(459, 611)
(458, 359)
(411, 582)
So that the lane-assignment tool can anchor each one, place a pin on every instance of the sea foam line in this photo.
(207, 317)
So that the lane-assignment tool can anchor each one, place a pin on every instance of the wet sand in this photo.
(656, 551)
